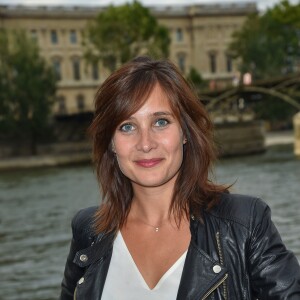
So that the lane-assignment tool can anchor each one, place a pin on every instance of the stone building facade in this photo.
(199, 38)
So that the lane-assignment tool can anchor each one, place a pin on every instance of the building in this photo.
(199, 38)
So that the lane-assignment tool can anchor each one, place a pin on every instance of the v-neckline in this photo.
(139, 274)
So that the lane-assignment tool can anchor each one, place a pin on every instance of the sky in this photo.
(261, 4)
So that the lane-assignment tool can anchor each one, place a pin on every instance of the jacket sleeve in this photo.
(72, 271)
(274, 270)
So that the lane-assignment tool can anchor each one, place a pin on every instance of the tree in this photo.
(195, 78)
(267, 45)
(276, 111)
(120, 33)
(27, 89)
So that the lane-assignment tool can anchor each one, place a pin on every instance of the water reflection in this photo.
(37, 207)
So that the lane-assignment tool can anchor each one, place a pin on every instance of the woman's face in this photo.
(149, 144)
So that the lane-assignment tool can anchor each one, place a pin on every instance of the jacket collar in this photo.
(95, 252)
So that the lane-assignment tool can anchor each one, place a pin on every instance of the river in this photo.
(37, 207)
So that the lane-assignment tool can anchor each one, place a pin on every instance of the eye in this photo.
(161, 122)
(127, 127)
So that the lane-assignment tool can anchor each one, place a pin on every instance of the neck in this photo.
(151, 204)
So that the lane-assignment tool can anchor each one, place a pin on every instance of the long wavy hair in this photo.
(120, 96)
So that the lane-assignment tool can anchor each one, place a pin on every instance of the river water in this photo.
(37, 207)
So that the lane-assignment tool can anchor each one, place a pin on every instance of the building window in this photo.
(33, 35)
(61, 105)
(57, 68)
(181, 62)
(76, 68)
(73, 37)
(54, 37)
(80, 102)
(95, 71)
(228, 63)
(179, 35)
(213, 62)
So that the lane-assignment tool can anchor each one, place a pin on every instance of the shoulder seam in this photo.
(236, 219)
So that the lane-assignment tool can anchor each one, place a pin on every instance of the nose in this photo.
(146, 141)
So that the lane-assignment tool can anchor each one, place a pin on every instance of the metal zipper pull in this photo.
(214, 287)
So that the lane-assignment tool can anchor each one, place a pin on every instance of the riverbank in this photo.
(41, 161)
(56, 160)
(279, 138)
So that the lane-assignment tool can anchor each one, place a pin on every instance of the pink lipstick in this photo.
(148, 163)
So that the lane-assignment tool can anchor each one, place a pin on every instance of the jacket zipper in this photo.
(219, 248)
(221, 261)
(74, 297)
(215, 287)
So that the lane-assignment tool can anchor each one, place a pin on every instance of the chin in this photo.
(154, 182)
(149, 183)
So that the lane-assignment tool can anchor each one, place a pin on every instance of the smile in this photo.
(148, 163)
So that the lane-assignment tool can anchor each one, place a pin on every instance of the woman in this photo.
(164, 230)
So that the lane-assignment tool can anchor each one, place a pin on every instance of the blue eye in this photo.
(126, 127)
(161, 122)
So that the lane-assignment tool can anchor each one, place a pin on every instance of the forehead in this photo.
(157, 101)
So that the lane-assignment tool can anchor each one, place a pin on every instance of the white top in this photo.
(125, 282)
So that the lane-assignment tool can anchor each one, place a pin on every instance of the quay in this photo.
(55, 155)
(279, 138)
(44, 161)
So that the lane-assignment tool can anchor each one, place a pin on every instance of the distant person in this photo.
(164, 230)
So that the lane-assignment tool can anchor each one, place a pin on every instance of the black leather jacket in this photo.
(235, 254)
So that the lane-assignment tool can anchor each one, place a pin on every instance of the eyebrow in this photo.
(157, 114)
(162, 113)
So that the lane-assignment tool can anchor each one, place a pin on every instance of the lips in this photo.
(148, 163)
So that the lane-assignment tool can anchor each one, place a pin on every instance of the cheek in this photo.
(123, 161)
(123, 152)
(173, 143)
(121, 145)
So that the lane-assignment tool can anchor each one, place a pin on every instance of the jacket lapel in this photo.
(98, 254)
(201, 275)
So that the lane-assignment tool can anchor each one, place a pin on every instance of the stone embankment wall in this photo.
(13, 150)
(240, 138)
(51, 155)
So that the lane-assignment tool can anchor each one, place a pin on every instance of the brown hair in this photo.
(120, 96)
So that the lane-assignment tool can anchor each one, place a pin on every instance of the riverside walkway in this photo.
(279, 138)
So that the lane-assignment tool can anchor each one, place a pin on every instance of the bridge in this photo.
(232, 111)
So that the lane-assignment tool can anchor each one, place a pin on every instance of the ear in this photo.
(184, 141)
(113, 149)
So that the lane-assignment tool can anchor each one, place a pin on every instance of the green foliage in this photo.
(274, 110)
(27, 88)
(195, 78)
(120, 33)
(268, 45)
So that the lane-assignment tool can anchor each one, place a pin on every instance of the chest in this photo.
(124, 273)
(155, 252)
